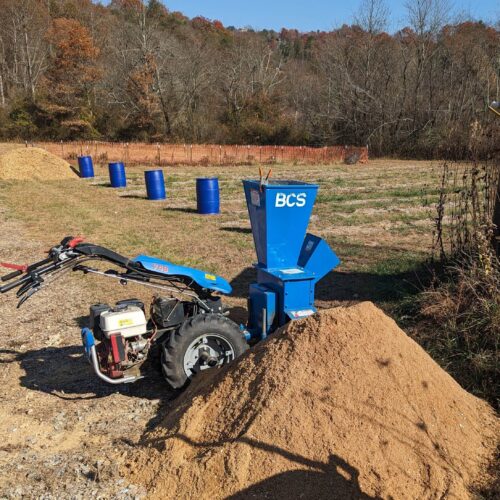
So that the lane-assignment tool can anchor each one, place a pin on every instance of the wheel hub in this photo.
(207, 351)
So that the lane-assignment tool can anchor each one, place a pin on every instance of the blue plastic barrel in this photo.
(117, 175)
(207, 195)
(86, 166)
(155, 184)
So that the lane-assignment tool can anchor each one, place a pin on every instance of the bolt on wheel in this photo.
(207, 351)
(202, 342)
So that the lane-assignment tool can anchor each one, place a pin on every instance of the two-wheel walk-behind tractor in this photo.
(187, 319)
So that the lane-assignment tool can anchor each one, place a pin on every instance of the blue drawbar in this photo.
(117, 175)
(207, 195)
(155, 184)
(202, 278)
(86, 167)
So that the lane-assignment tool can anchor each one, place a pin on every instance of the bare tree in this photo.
(251, 69)
(427, 17)
(25, 33)
(372, 16)
(159, 75)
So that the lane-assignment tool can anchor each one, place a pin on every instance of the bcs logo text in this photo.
(290, 200)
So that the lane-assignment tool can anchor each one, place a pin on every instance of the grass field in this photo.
(377, 217)
(55, 415)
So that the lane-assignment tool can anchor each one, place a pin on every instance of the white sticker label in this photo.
(255, 197)
(301, 314)
(292, 271)
(290, 200)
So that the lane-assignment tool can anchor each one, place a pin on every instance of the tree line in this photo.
(134, 70)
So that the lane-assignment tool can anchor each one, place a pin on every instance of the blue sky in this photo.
(309, 15)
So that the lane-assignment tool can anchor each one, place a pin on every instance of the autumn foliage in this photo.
(133, 70)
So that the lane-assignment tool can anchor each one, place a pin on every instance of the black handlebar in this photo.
(71, 251)
(10, 286)
(10, 276)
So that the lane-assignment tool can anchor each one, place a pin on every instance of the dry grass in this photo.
(462, 306)
(377, 217)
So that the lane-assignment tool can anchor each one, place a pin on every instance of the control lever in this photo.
(28, 295)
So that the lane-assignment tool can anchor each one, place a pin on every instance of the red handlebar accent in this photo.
(17, 267)
(75, 241)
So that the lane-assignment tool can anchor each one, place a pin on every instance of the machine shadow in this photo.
(337, 479)
(234, 229)
(344, 286)
(341, 286)
(242, 281)
(65, 373)
(334, 479)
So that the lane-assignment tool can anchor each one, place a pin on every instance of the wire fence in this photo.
(203, 154)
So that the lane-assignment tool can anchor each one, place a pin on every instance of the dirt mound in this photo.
(340, 405)
(33, 163)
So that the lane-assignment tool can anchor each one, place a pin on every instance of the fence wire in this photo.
(203, 154)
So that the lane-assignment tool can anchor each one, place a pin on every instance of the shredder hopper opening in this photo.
(279, 214)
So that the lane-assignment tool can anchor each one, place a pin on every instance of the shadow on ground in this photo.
(184, 210)
(348, 286)
(65, 373)
(240, 230)
(75, 170)
(134, 196)
(318, 480)
(336, 479)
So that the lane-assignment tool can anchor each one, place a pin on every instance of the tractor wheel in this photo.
(202, 342)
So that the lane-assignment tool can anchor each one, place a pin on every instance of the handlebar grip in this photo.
(14, 284)
(9, 276)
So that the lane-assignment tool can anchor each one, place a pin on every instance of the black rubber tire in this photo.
(174, 349)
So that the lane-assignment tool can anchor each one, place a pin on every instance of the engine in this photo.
(126, 335)
(122, 331)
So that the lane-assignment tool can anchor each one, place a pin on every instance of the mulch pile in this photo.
(33, 163)
(339, 405)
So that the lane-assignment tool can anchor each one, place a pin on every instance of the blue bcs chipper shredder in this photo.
(187, 319)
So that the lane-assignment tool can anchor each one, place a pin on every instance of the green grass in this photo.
(387, 242)
(404, 263)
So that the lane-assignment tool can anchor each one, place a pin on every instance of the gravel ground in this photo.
(63, 433)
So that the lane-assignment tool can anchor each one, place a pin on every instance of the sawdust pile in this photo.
(33, 163)
(340, 405)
